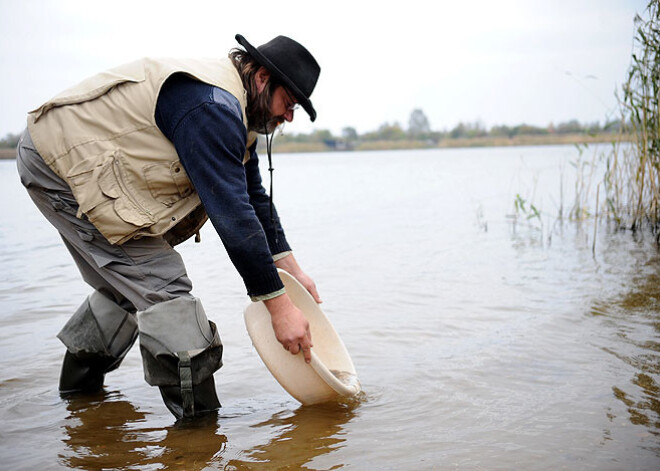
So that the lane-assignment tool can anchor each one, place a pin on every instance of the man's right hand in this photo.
(290, 326)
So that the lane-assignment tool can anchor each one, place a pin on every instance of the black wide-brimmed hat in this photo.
(291, 64)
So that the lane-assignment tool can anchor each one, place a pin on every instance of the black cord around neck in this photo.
(269, 147)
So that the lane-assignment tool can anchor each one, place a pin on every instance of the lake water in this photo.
(482, 341)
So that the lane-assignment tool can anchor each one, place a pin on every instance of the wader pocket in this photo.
(100, 187)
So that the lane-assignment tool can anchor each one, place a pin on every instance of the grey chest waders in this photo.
(97, 337)
(181, 350)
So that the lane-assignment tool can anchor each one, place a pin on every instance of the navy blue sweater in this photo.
(205, 124)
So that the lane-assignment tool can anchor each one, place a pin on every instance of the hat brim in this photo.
(281, 77)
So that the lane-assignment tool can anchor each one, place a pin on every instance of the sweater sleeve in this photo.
(209, 137)
(261, 203)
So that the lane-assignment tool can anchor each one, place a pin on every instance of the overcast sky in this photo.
(498, 62)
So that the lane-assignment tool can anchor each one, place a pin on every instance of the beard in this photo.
(260, 118)
(265, 123)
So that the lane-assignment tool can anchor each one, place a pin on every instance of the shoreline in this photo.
(7, 154)
(531, 140)
(458, 143)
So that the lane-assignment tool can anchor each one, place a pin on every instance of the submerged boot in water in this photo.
(97, 337)
(181, 349)
(84, 375)
(202, 399)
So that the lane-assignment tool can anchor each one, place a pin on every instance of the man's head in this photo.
(277, 76)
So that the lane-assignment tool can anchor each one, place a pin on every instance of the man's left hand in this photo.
(290, 265)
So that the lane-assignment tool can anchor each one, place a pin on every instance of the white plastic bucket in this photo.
(329, 376)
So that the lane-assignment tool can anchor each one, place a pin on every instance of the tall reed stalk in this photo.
(632, 179)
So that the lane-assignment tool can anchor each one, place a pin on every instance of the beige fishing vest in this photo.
(101, 137)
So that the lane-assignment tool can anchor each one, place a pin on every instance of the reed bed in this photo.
(631, 183)
(621, 185)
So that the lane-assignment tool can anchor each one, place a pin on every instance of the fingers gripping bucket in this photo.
(331, 374)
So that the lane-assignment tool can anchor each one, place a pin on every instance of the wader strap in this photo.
(185, 373)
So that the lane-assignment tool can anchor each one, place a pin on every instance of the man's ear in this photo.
(261, 78)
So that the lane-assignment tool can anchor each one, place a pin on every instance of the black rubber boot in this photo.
(84, 374)
(205, 399)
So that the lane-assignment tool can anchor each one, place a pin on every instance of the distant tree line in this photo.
(9, 141)
(419, 129)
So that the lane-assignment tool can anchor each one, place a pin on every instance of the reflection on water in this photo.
(634, 316)
(105, 431)
(300, 436)
(481, 344)
(108, 432)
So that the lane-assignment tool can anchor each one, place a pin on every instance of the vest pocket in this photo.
(167, 182)
(99, 185)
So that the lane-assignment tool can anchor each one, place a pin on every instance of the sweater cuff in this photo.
(280, 246)
(265, 297)
(265, 284)
(281, 255)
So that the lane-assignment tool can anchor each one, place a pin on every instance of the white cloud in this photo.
(501, 62)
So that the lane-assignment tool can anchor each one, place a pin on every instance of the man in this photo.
(133, 161)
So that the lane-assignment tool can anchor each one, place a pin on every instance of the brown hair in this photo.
(247, 68)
